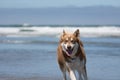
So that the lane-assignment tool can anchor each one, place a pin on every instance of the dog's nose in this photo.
(69, 47)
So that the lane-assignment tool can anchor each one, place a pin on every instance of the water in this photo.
(36, 30)
(32, 52)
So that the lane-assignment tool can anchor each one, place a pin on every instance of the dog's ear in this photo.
(62, 36)
(64, 33)
(76, 33)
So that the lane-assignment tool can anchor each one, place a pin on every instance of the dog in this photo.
(71, 56)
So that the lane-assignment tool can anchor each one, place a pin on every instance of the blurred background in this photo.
(30, 30)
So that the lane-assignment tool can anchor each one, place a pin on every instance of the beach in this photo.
(30, 78)
(27, 53)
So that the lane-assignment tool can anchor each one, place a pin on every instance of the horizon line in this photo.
(62, 7)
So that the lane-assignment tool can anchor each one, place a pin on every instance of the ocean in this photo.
(28, 52)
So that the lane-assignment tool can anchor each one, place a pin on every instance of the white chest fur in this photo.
(75, 64)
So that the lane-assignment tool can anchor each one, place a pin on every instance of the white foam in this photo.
(8, 30)
(56, 31)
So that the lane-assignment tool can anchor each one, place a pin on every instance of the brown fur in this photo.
(63, 58)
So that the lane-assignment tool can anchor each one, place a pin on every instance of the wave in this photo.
(28, 42)
(99, 31)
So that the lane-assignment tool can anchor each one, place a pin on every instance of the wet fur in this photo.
(67, 64)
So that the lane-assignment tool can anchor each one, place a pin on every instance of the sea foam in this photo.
(101, 31)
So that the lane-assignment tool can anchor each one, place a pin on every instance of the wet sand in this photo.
(3, 77)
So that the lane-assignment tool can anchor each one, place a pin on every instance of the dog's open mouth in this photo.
(69, 51)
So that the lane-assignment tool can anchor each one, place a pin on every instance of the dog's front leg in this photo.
(82, 74)
(72, 75)
(85, 73)
(64, 75)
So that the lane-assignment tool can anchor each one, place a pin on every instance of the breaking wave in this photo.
(99, 31)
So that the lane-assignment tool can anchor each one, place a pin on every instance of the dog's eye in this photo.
(66, 40)
(72, 41)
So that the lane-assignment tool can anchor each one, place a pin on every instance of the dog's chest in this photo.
(75, 64)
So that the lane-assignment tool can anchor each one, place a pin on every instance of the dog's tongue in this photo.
(69, 51)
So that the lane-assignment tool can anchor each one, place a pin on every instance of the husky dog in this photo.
(71, 56)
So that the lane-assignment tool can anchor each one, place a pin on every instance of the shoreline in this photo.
(5, 77)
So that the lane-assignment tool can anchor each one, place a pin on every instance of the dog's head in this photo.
(70, 42)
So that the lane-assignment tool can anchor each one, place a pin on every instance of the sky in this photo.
(40, 12)
(56, 3)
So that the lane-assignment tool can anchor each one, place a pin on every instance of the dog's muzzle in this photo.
(69, 50)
